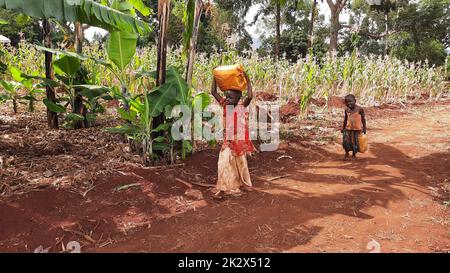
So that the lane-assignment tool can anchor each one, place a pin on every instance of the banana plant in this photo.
(144, 108)
(28, 85)
(71, 76)
(9, 93)
(76, 11)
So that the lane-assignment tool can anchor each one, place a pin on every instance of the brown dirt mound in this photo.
(336, 102)
(265, 96)
(289, 110)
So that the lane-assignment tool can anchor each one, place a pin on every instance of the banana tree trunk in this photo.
(191, 57)
(52, 117)
(278, 30)
(193, 42)
(163, 18)
(78, 106)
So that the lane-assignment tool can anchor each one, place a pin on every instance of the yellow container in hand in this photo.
(363, 142)
(230, 77)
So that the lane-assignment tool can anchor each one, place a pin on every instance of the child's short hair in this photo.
(350, 97)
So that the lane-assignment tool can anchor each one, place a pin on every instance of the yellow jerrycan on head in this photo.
(363, 142)
(230, 77)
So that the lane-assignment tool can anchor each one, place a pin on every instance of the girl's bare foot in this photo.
(218, 195)
(247, 188)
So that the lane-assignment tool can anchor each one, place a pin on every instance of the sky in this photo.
(255, 30)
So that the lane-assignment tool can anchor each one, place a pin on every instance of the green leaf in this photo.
(81, 57)
(3, 22)
(68, 65)
(84, 11)
(201, 100)
(4, 97)
(91, 91)
(74, 117)
(15, 73)
(54, 107)
(145, 73)
(161, 127)
(107, 97)
(3, 67)
(161, 97)
(126, 129)
(160, 139)
(91, 117)
(8, 86)
(127, 115)
(121, 48)
(186, 148)
(141, 7)
(180, 85)
(160, 146)
(46, 81)
(137, 105)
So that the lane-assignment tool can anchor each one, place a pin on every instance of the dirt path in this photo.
(391, 194)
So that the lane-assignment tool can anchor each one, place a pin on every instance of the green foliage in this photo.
(20, 27)
(84, 11)
(121, 48)
(67, 65)
(144, 108)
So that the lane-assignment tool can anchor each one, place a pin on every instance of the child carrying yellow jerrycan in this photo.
(233, 173)
(363, 142)
(354, 137)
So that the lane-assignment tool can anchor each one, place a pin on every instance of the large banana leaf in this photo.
(161, 97)
(79, 56)
(68, 65)
(140, 6)
(174, 91)
(84, 11)
(121, 48)
(180, 84)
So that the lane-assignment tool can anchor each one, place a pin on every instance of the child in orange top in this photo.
(354, 124)
(232, 166)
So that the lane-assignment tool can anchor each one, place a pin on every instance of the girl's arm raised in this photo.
(249, 97)
(214, 91)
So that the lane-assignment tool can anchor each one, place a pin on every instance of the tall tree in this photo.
(314, 10)
(336, 8)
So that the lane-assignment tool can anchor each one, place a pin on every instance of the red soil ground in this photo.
(304, 199)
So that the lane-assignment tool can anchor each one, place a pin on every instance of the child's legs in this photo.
(242, 168)
(229, 178)
(346, 142)
(354, 142)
